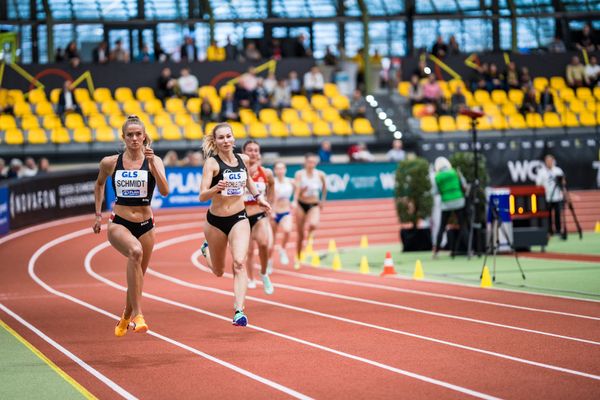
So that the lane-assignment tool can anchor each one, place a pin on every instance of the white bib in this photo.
(131, 184)
(235, 183)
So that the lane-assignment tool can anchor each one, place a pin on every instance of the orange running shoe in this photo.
(122, 326)
(139, 324)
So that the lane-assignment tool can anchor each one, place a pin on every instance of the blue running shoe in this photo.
(240, 319)
(204, 248)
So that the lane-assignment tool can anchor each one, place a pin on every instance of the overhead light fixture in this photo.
(397, 135)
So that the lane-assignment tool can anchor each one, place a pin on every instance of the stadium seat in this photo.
(453, 84)
(570, 120)
(482, 97)
(28, 122)
(89, 108)
(342, 127)
(309, 116)
(54, 95)
(171, 132)
(22, 108)
(207, 91)
(239, 130)
(268, 116)
(51, 122)
(300, 102)
(509, 109)
(153, 106)
(321, 128)
(83, 134)
(404, 88)
(429, 124)
(591, 105)
(557, 82)
(37, 136)
(96, 121)
(484, 124)
(193, 105)
(226, 89)
(560, 106)
(516, 96)
(319, 101)
(60, 136)
(105, 134)
(13, 136)
(340, 102)
(102, 95)
(73, 120)
(7, 122)
(490, 109)
(587, 119)
(110, 107)
(208, 128)
(247, 116)
(516, 121)
(175, 105)
(36, 96)
(116, 121)
(534, 121)
(162, 119)
(566, 94)
(278, 129)
(16, 95)
(257, 130)
(152, 131)
(540, 83)
(300, 129)
(576, 106)
(81, 95)
(362, 126)
(499, 122)
(44, 108)
(597, 93)
(552, 120)
(499, 97)
(447, 123)
(289, 115)
(144, 93)
(216, 105)
(330, 89)
(584, 93)
(123, 94)
(192, 131)
(132, 107)
(463, 123)
(330, 114)
(183, 119)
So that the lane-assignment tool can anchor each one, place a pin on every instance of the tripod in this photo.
(566, 203)
(494, 241)
(474, 224)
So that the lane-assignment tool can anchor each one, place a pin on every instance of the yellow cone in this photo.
(332, 248)
(364, 242)
(486, 279)
(302, 256)
(315, 260)
(364, 265)
(597, 228)
(337, 262)
(418, 273)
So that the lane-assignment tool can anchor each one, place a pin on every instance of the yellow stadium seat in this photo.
(145, 93)
(83, 134)
(102, 95)
(418, 110)
(429, 124)
(482, 97)
(37, 136)
(340, 102)
(193, 105)
(289, 115)
(566, 94)
(560, 106)
(60, 136)
(321, 128)
(96, 121)
(89, 108)
(132, 107)
(153, 106)
(342, 127)
(208, 128)
(576, 106)
(447, 123)
(499, 97)
(516, 121)
(175, 105)
(111, 107)
(319, 101)
(54, 95)
(7, 122)
(584, 93)
(597, 93)
(183, 119)
(81, 95)
(404, 88)
(491, 109)
(73, 120)
(278, 129)
(570, 120)
(444, 85)
(36, 96)
(192, 131)
(123, 94)
(226, 89)
(330, 114)
(454, 83)
(587, 119)
(463, 123)
(216, 105)
(330, 89)
(105, 134)
(300, 102)
(257, 130)
(51, 122)
(557, 82)
(268, 116)
(207, 91)
(509, 109)
(162, 119)
(309, 116)
(239, 130)
(300, 129)
(362, 126)
(16, 95)
(484, 123)
(552, 120)
(534, 120)
(28, 122)
(116, 121)
(247, 116)
(540, 83)
(516, 96)
(44, 108)
(591, 106)
(499, 122)
(152, 131)
(21, 108)
(13, 136)
(171, 132)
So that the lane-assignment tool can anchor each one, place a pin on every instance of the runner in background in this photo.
(282, 208)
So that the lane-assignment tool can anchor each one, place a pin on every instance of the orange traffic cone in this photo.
(388, 265)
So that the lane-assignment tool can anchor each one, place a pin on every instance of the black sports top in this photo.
(234, 176)
(133, 187)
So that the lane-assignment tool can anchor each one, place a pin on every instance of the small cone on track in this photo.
(332, 248)
(418, 273)
(597, 227)
(388, 265)
(486, 279)
(315, 260)
(337, 262)
(364, 265)
(364, 242)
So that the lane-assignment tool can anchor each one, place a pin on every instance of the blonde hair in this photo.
(441, 163)
(209, 144)
(135, 120)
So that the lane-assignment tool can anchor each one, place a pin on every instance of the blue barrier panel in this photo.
(4, 221)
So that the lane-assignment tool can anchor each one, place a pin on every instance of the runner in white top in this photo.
(282, 207)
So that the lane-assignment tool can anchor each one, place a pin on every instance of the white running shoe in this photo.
(252, 284)
(267, 285)
(269, 267)
(283, 257)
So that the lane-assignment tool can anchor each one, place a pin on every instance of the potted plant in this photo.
(414, 202)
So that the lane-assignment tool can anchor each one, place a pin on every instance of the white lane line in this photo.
(82, 232)
(424, 378)
(103, 378)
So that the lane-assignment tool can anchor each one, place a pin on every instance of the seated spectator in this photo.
(396, 153)
(270, 82)
(249, 80)
(100, 54)
(294, 83)
(313, 82)
(576, 76)
(453, 48)
(171, 159)
(30, 168)
(244, 98)
(324, 152)
(16, 169)
(252, 53)
(119, 54)
(422, 70)
(415, 92)
(511, 76)
(229, 109)
(145, 56)
(44, 166)
(358, 106)
(187, 84)
(282, 95)
(262, 99)
(586, 39)
(2, 169)
(71, 50)
(187, 51)
(299, 50)
(362, 154)
(215, 53)
(206, 111)
(166, 84)
(530, 103)
(458, 101)
(557, 46)
(547, 101)
(194, 159)
(275, 50)
(495, 80)
(231, 50)
(59, 55)
(439, 49)
(66, 100)
(592, 72)
(432, 93)
(329, 58)
(159, 54)
(480, 77)
(376, 59)
(525, 79)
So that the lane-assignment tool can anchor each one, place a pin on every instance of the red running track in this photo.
(323, 334)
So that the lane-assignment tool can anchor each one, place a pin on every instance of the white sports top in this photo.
(311, 186)
(284, 190)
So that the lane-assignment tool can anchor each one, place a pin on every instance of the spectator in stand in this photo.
(294, 83)
(231, 50)
(530, 103)
(453, 48)
(547, 101)
(242, 97)
(145, 56)
(576, 76)
(188, 84)
(66, 100)
(511, 76)
(252, 53)
(166, 84)
(2, 169)
(275, 50)
(329, 58)
(432, 93)
(188, 50)
(495, 80)
(100, 53)
(262, 98)
(159, 54)
(71, 50)
(30, 168)
(299, 50)
(415, 91)
(7, 102)
(525, 79)
(586, 40)
(44, 166)
(215, 53)
(206, 112)
(358, 106)
(362, 154)
(592, 72)
(479, 77)
(422, 69)
(59, 55)
(16, 169)
(313, 82)
(458, 101)
(171, 159)
(282, 95)
(439, 49)
(229, 109)
(557, 46)
(270, 83)
(195, 159)
(119, 54)
(324, 152)
(396, 153)
(360, 68)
